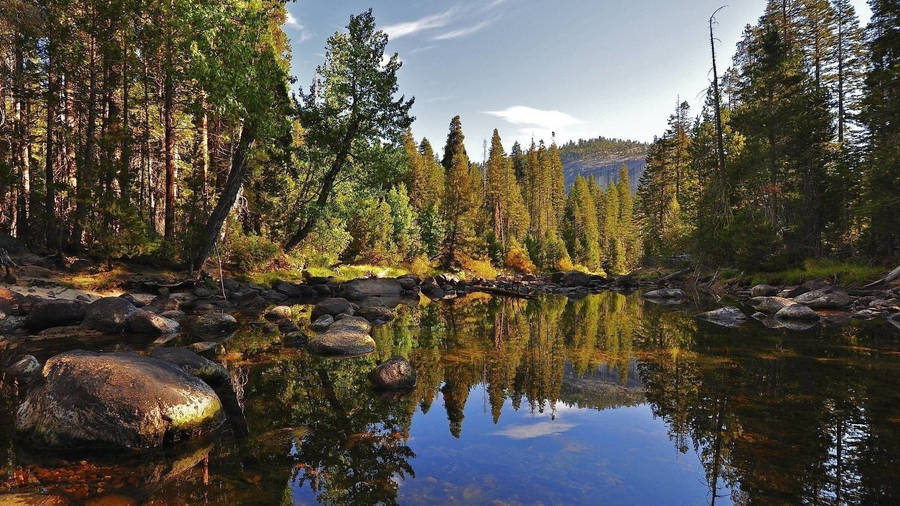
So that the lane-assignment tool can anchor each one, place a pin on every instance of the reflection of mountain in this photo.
(600, 388)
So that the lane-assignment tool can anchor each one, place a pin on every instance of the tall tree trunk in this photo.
(202, 126)
(168, 152)
(720, 147)
(125, 166)
(22, 143)
(49, 179)
(229, 195)
(85, 171)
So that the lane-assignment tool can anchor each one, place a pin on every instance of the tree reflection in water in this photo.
(773, 416)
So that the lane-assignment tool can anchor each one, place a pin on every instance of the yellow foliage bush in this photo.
(517, 259)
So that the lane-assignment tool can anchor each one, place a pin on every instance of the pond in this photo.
(607, 398)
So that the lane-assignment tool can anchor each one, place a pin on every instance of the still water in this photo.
(606, 399)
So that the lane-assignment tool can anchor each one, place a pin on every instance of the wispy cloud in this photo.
(534, 430)
(462, 32)
(524, 115)
(292, 22)
(438, 20)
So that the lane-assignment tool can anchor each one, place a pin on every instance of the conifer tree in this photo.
(461, 194)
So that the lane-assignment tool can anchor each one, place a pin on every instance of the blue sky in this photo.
(581, 68)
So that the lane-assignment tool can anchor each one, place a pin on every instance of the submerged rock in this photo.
(394, 374)
(108, 314)
(728, 316)
(116, 400)
(348, 336)
(333, 306)
(54, 313)
(376, 313)
(797, 312)
(665, 293)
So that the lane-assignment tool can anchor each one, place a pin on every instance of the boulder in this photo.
(203, 292)
(433, 291)
(145, 322)
(376, 286)
(273, 296)
(764, 290)
(174, 314)
(408, 283)
(108, 314)
(208, 349)
(10, 301)
(665, 293)
(162, 303)
(11, 324)
(333, 306)
(25, 368)
(797, 312)
(824, 299)
(770, 305)
(575, 278)
(134, 302)
(348, 336)
(211, 324)
(289, 289)
(278, 313)
(728, 316)
(322, 323)
(212, 373)
(376, 313)
(55, 313)
(116, 400)
(394, 374)
(286, 326)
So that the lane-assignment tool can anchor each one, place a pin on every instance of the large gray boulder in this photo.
(824, 299)
(145, 322)
(764, 290)
(212, 373)
(54, 313)
(116, 400)
(728, 316)
(770, 305)
(797, 312)
(333, 306)
(376, 286)
(394, 374)
(347, 336)
(108, 314)
(376, 313)
(213, 324)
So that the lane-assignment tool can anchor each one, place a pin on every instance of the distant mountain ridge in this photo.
(601, 158)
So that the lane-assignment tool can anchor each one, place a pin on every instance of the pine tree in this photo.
(460, 201)
(881, 114)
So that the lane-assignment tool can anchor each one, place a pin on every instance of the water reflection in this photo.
(552, 400)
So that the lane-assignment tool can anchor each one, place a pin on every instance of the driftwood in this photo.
(894, 274)
(672, 276)
(153, 286)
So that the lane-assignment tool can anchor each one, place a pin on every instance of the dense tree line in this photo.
(168, 129)
(808, 138)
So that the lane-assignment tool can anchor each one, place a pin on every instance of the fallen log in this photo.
(672, 276)
(894, 274)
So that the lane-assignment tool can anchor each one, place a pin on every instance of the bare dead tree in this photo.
(720, 148)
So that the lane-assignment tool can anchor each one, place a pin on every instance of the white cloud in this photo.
(292, 22)
(534, 430)
(412, 27)
(462, 32)
(524, 115)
